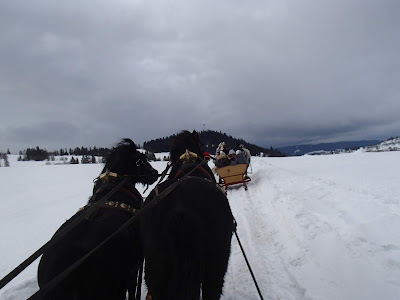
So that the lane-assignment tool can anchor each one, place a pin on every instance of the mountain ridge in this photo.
(211, 140)
(297, 150)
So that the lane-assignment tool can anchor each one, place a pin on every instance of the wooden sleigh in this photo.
(234, 174)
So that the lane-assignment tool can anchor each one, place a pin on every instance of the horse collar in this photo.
(108, 176)
(188, 156)
(119, 205)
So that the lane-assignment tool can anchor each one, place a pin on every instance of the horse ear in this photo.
(195, 134)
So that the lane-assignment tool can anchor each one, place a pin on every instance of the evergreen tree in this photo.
(85, 159)
(36, 154)
(5, 158)
(150, 156)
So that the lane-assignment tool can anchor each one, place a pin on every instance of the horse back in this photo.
(109, 265)
(184, 237)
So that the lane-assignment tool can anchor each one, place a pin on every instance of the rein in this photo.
(88, 213)
(200, 168)
(85, 215)
(70, 269)
(191, 157)
(247, 261)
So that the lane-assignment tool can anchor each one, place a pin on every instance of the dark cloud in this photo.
(272, 72)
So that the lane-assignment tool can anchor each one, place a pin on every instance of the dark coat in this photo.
(222, 162)
(239, 159)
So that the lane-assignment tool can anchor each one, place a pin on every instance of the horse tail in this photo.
(185, 248)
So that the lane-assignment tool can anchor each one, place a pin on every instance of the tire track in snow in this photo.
(257, 230)
(302, 227)
(326, 232)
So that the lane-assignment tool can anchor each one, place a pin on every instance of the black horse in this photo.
(186, 237)
(106, 274)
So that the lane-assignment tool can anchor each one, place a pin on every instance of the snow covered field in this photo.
(313, 227)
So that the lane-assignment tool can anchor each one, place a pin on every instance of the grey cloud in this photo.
(49, 133)
(271, 72)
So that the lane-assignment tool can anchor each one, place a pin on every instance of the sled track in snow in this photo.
(257, 228)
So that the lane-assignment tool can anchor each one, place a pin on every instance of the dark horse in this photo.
(186, 237)
(106, 273)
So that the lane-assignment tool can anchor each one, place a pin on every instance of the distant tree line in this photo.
(88, 154)
(211, 140)
(159, 145)
(83, 151)
(36, 154)
(39, 154)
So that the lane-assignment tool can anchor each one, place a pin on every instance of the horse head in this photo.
(183, 141)
(125, 159)
(187, 152)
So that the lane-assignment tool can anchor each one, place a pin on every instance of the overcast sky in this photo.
(280, 72)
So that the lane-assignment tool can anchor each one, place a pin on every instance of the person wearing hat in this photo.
(222, 160)
(232, 155)
(221, 147)
(246, 152)
(240, 158)
(247, 155)
(207, 156)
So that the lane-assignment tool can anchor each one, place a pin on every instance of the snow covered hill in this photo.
(313, 227)
(388, 145)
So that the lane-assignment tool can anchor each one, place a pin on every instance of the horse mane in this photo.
(126, 143)
(119, 154)
(186, 140)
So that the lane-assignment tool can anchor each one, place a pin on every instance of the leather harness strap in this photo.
(119, 205)
(200, 168)
(155, 200)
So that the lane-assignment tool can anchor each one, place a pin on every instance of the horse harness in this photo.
(110, 178)
(87, 212)
(110, 204)
(190, 157)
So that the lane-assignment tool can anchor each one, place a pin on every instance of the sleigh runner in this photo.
(234, 174)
